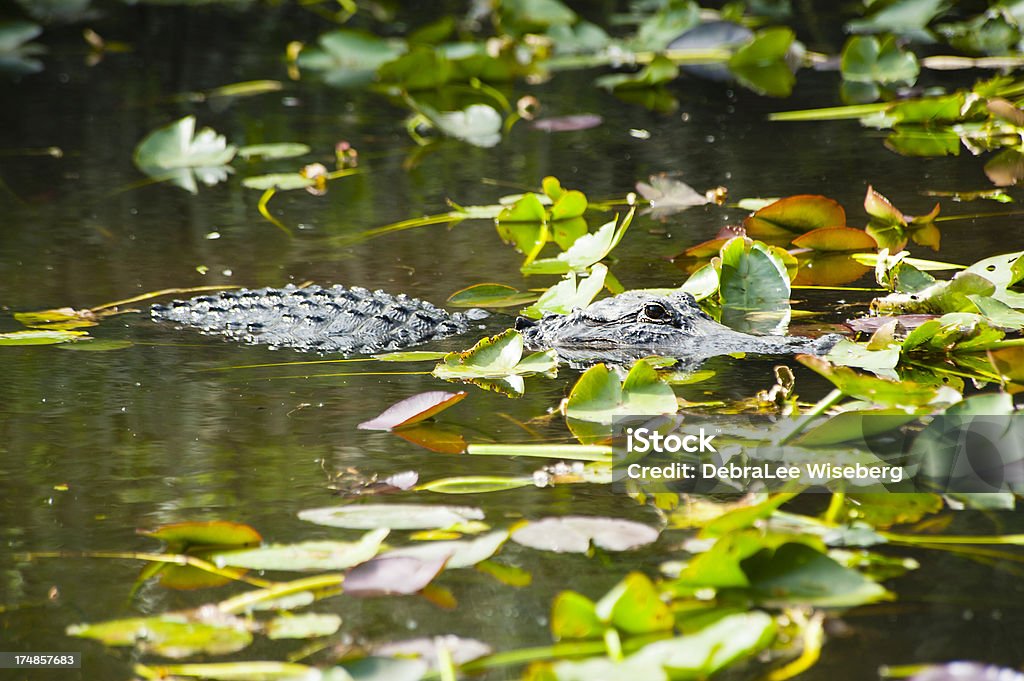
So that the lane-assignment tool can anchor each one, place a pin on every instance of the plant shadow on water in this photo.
(178, 505)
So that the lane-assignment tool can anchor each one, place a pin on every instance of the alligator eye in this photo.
(655, 312)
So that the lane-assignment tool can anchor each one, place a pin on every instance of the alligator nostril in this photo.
(523, 323)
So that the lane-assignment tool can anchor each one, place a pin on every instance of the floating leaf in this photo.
(273, 151)
(599, 397)
(282, 181)
(181, 537)
(461, 553)
(348, 57)
(567, 123)
(242, 671)
(871, 388)
(40, 337)
(836, 239)
(566, 295)
(574, 534)
(659, 71)
(669, 196)
(573, 616)
(176, 152)
(413, 410)
(495, 357)
(635, 606)
(304, 556)
(393, 516)
(797, 573)
(306, 625)
(390, 574)
(477, 124)
(795, 215)
(476, 484)
(865, 59)
(171, 635)
(901, 16)
(586, 251)
(752, 277)
(490, 295)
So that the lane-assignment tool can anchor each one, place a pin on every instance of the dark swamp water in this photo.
(155, 433)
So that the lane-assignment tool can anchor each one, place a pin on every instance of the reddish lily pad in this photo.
(836, 239)
(567, 123)
(413, 410)
(795, 215)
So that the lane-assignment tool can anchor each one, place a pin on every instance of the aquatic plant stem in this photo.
(817, 410)
(835, 506)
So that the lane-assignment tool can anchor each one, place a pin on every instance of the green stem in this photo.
(817, 410)
(835, 507)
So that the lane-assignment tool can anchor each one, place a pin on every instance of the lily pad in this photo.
(495, 357)
(752, 277)
(306, 625)
(41, 337)
(599, 397)
(392, 516)
(305, 556)
(794, 215)
(462, 553)
(567, 295)
(867, 59)
(171, 635)
(574, 534)
(669, 196)
(391, 574)
(413, 410)
(274, 150)
(176, 152)
(477, 124)
(490, 295)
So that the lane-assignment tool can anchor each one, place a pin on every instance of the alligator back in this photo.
(337, 319)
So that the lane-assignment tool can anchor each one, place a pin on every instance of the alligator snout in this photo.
(524, 323)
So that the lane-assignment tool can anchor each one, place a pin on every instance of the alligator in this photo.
(356, 321)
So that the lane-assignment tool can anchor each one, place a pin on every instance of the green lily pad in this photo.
(176, 152)
(490, 295)
(635, 606)
(41, 337)
(170, 635)
(566, 295)
(274, 150)
(871, 388)
(496, 357)
(306, 625)
(574, 616)
(392, 516)
(586, 251)
(599, 397)
(866, 59)
(244, 671)
(477, 124)
(349, 58)
(901, 16)
(752, 277)
(280, 181)
(305, 556)
(797, 573)
(661, 70)
(183, 536)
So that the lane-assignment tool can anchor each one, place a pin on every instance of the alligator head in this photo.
(636, 323)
